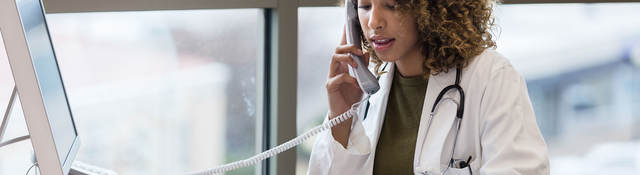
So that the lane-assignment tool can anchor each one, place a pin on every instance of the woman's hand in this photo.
(342, 89)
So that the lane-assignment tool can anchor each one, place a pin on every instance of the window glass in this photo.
(161, 92)
(319, 30)
(581, 63)
(582, 71)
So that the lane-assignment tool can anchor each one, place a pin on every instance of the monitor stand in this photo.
(5, 121)
(77, 168)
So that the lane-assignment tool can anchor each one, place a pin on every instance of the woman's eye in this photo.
(364, 7)
(391, 7)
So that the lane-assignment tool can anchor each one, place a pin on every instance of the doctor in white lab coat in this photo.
(498, 133)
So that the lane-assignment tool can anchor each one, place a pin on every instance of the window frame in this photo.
(277, 68)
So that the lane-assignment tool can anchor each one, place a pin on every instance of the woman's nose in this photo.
(376, 19)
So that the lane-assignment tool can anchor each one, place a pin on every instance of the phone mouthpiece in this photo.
(368, 83)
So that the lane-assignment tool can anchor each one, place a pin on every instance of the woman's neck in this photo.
(411, 64)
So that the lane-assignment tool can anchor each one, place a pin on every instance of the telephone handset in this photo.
(368, 83)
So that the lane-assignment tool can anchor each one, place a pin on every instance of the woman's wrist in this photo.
(341, 132)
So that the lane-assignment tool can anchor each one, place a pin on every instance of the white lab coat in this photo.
(498, 128)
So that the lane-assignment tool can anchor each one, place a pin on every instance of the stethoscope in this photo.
(459, 114)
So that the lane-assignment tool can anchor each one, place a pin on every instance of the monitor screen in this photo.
(48, 76)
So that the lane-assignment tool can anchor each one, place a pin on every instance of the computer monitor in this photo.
(37, 77)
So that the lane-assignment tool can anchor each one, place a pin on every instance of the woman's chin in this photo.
(388, 58)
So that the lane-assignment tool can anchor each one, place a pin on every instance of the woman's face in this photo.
(392, 35)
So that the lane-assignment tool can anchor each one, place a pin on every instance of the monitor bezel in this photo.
(30, 96)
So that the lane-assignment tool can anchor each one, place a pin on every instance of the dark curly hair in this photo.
(451, 32)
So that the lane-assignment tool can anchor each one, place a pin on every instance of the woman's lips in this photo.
(382, 44)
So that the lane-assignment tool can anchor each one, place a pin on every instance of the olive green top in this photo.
(397, 142)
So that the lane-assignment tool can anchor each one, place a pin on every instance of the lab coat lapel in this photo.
(379, 105)
(428, 152)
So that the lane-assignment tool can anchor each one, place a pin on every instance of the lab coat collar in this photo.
(378, 106)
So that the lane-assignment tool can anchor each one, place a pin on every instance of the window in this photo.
(161, 92)
(581, 63)
(319, 32)
(581, 66)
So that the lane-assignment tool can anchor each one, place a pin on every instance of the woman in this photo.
(419, 47)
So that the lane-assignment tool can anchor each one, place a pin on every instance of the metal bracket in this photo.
(5, 122)
(5, 119)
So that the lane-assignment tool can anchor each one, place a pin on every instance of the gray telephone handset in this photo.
(368, 83)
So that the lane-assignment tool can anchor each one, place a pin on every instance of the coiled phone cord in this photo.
(287, 145)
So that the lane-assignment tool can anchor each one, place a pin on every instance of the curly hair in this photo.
(451, 32)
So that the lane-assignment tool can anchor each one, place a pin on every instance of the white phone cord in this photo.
(287, 145)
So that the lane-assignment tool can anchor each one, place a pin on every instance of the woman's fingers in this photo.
(345, 59)
(339, 63)
(334, 83)
(366, 58)
(343, 41)
(342, 57)
(349, 49)
(340, 60)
